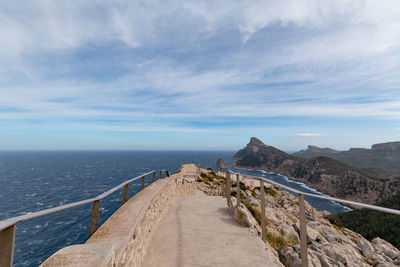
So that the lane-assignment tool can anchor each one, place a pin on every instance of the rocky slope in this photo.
(383, 160)
(329, 244)
(322, 173)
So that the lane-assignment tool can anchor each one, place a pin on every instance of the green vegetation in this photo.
(269, 191)
(242, 186)
(371, 262)
(333, 166)
(371, 224)
(385, 162)
(277, 242)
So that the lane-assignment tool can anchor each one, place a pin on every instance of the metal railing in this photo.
(8, 226)
(303, 222)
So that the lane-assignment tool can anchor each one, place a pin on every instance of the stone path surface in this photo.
(198, 231)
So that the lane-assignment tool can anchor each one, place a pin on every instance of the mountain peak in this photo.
(256, 141)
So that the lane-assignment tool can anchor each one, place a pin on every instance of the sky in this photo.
(198, 75)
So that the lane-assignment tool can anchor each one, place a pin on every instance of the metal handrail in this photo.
(353, 203)
(8, 226)
(303, 221)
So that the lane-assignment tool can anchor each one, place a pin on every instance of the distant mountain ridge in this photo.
(382, 159)
(325, 174)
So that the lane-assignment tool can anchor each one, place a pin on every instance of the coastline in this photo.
(291, 182)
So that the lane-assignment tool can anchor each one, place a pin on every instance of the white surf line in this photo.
(301, 184)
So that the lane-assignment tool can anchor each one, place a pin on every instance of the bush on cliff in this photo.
(371, 223)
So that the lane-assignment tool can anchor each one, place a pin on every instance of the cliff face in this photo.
(322, 173)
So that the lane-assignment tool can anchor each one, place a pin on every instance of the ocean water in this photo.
(33, 181)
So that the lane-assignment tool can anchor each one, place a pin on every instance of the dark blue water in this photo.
(33, 181)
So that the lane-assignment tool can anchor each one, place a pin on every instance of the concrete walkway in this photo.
(198, 231)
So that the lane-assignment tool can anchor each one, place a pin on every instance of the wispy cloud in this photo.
(160, 65)
(310, 134)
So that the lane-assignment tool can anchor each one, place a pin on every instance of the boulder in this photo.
(221, 164)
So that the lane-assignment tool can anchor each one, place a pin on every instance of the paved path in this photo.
(198, 231)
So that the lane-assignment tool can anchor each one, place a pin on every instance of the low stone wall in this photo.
(122, 239)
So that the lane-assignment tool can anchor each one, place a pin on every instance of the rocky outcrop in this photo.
(382, 160)
(328, 244)
(322, 173)
(311, 151)
(386, 146)
(221, 164)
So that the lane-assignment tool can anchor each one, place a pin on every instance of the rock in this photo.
(385, 248)
(324, 213)
(289, 257)
(312, 235)
(252, 202)
(221, 164)
(366, 248)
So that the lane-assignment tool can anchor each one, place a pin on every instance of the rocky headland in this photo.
(325, 174)
(328, 244)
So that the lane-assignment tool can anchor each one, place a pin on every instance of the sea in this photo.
(34, 181)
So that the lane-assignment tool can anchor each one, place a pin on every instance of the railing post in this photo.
(7, 241)
(228, 189)
(263, 226)
(238, 191)
(154, 176)
(125, 194)
(94, 222)
(166, 173)
(303, 232)
(142, 186)
(160, 174)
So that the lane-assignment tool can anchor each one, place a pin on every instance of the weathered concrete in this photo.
(199, 231)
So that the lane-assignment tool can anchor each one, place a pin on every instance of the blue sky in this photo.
(182, 75)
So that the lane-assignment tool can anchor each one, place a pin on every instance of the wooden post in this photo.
(303, 232)
(238, 191)
(160, 174)
(94, 222)
(263, 226)
(125, 194)
(142, 186)
(154, 176)
(228, 189)
(166, 174)
(7, 241)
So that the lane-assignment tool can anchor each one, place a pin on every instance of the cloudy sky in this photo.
(198, 74)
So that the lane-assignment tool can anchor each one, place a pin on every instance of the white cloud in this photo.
(343, 51)
(310, 134)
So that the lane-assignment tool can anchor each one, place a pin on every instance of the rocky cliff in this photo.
(329, 244)
(322, 173)
(382, 160)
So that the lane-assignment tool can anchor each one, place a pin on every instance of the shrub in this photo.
(333, 220)
(269, 191)
(277, 242)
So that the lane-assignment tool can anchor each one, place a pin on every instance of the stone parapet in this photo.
(122, 239)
